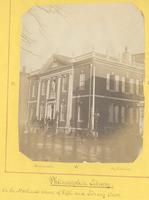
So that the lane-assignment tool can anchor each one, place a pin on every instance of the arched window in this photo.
(53, 89)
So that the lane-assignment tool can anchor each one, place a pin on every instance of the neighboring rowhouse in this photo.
(71, 92)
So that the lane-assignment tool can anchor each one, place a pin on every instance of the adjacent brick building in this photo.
(69, 92)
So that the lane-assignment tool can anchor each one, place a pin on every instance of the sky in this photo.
(75, 29)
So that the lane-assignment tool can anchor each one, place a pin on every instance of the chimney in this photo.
(126, 56)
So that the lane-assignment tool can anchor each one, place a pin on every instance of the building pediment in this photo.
(56, 61)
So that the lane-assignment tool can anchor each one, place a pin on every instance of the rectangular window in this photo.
(116, 114)
(131, 86)
(52, 93)
(64, 84)
(127, 85)
(122, 114)
(82, 81)
(130, 115)
(111, 113)
(112, 82)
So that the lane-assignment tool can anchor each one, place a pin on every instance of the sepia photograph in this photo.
(81, 96)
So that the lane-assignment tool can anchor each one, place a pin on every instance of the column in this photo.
(38, 100)
(69, 105)
(90, 96)
(47, 96)
(58, 101)
(93, 97)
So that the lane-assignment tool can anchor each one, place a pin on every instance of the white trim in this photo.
(108, 82)
(69, 104)
(55, 74)
(120, 65)
(115, 98)
(93, 99)
(108, 97)
(79, 96)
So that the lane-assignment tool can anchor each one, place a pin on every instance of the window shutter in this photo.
(108, 82)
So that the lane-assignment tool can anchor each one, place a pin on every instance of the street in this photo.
(46, 145)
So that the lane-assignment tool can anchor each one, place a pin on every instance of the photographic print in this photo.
(81, 93)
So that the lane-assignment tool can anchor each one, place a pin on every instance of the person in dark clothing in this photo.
(71, 125)
(42, 123)
(97, 124)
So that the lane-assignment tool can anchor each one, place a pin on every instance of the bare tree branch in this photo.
(30, 52)
(41, 27)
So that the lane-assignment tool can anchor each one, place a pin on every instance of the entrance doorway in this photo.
(51, 114)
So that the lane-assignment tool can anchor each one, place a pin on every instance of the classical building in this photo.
(68, 93)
